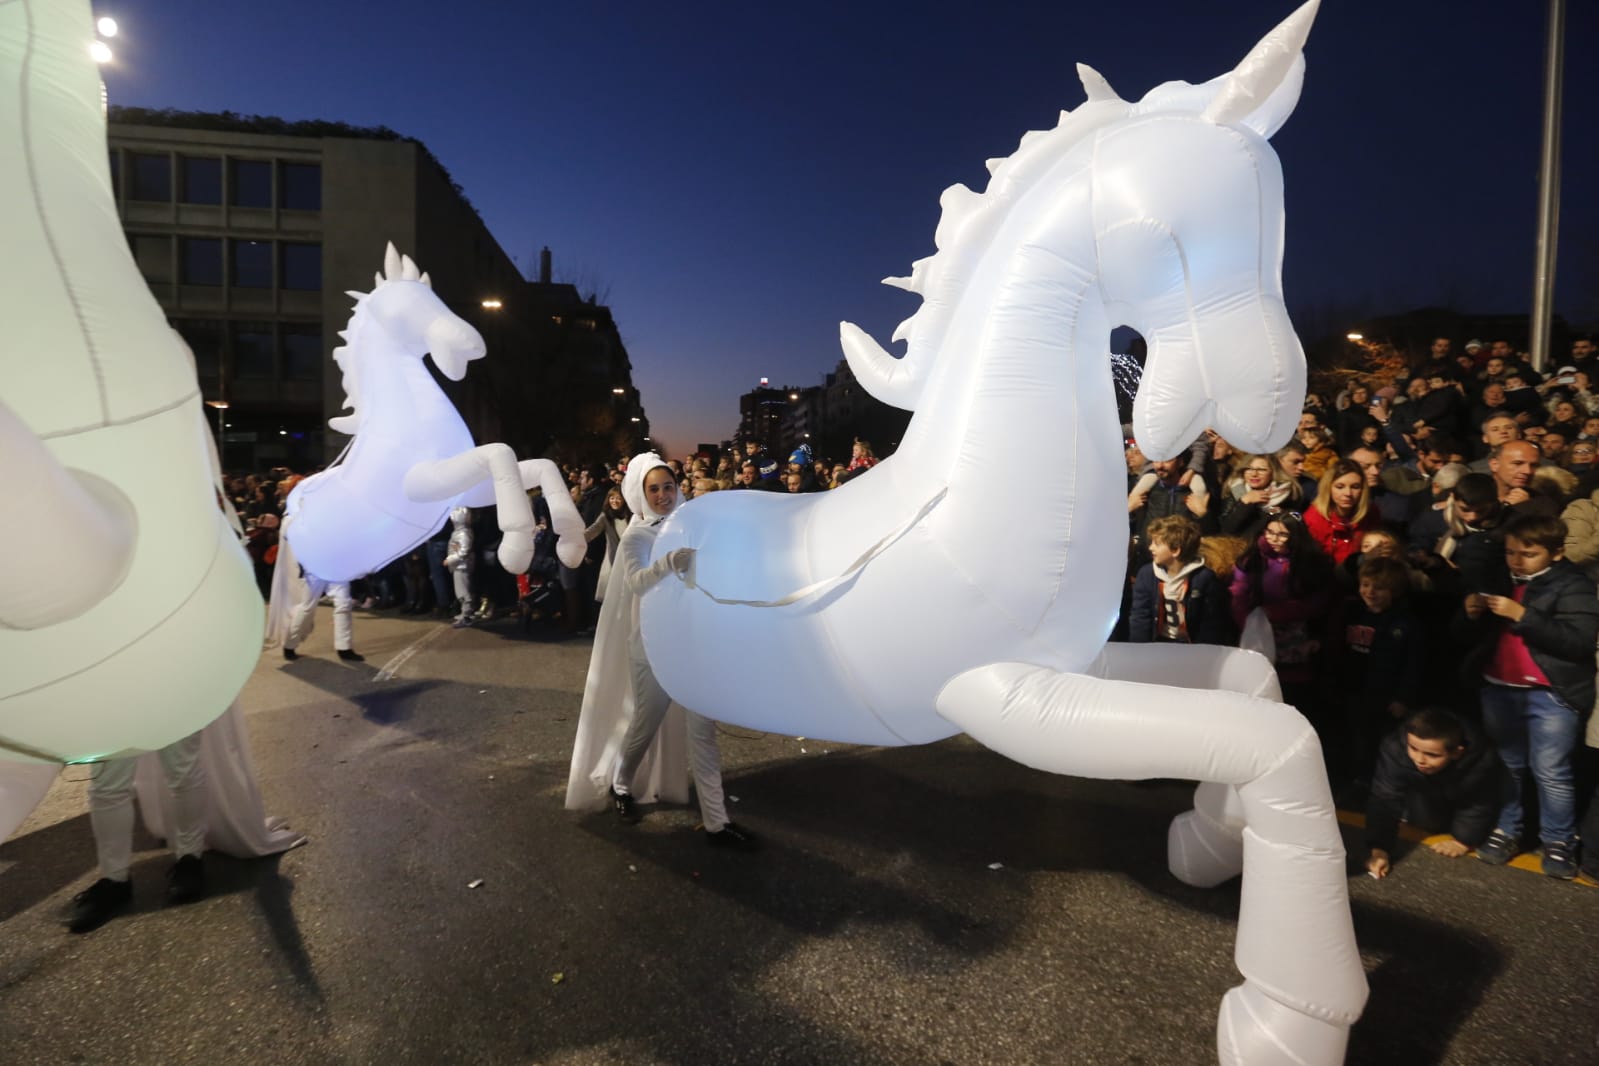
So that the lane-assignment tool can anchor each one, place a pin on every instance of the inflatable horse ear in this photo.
(1261, 91)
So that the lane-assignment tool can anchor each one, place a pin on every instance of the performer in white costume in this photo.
(624, 707)
(304, 619)
(111, 790)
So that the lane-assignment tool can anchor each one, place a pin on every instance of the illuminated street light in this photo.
(107, 26)
(619, 392)
(492, 304)
(221, 435)
(636, 418)
(1356, 336)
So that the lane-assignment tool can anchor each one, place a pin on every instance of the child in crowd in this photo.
(1176, 598)
(1436, 772)
(1539, 683)
(1379, 668)
(1285, 574)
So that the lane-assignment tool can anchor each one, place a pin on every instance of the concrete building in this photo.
(828, 417)
(249, 232)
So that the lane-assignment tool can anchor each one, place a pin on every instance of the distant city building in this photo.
(249, 232)
(828, 417)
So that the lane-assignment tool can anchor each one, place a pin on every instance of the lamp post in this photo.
(220, 406)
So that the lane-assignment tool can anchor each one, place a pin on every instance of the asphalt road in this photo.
(873, 928)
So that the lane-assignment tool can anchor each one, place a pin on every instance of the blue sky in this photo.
(737, 178)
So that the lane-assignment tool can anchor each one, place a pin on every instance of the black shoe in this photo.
(624, 806)
(733, 836)
(350, 655)
(290, 654)
(95, 905)
(186, 881)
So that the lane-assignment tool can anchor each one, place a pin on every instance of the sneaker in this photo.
(1498, 849)
(461, 623)
(733, 836)
(624, 806)
(350, 655)
(289, 654)
(95, 905)
(1560, 859)
(186, 881)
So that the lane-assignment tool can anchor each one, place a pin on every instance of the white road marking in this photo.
(392, 667)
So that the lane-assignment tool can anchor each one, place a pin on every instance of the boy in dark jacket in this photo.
(1539, 684)
(1379, 668)
(1176, 598)
(1436, 772)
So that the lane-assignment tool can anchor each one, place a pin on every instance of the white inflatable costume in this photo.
(135, 621)
(917, 601)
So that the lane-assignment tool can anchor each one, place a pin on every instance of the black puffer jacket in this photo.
(1560, 629)
(1472, 789)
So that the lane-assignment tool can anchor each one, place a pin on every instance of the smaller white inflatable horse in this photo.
(412, 457)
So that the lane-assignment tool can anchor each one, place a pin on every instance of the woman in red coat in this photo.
(1342, 513)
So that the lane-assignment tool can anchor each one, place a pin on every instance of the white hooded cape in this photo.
(608, 692)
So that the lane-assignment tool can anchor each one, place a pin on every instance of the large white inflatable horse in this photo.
(412, 457)
(129, 616)
(969, 582)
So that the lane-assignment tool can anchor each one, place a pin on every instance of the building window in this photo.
(302, 186)
(252, 350)
(302, 351)
(302, 266)
(204, 338)
(202, 180)
(152, 177)
(153, 253)
(252, 183)
(201, 260)
(252, 264)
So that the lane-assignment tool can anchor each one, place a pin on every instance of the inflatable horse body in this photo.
(129, 615)
(969, 582)
(412, 458)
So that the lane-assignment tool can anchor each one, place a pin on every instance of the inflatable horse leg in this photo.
(490, 473)
(1205, 846)
(1303, 983)
(86, 519)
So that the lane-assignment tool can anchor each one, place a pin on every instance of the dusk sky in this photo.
(736, 178)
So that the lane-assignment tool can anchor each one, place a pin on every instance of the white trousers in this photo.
(705, 760)
(463, 591)
(303, 620)
(111, 805)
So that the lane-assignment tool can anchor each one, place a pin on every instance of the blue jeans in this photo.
(1531, 726)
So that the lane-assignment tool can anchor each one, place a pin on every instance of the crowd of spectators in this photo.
(1421, 564)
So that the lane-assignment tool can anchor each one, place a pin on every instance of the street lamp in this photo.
(1355, 336)
(618, 391)
(220, 406)
(492, 304)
